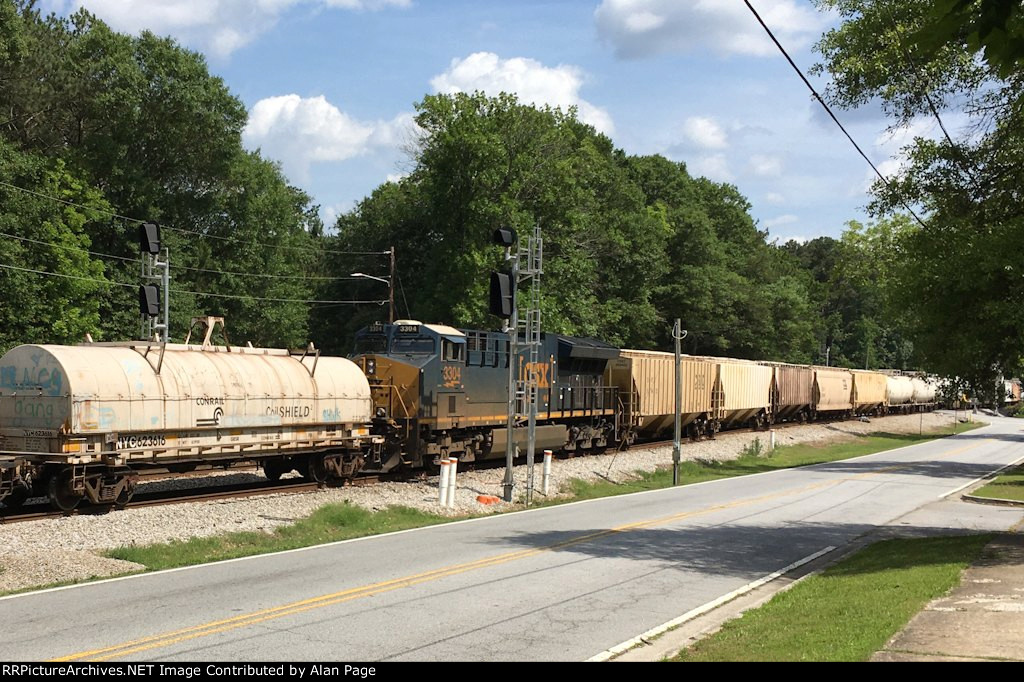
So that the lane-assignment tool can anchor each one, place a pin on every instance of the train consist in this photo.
(442, 392)
(81, 422)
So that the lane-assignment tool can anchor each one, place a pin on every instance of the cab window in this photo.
(453, 352)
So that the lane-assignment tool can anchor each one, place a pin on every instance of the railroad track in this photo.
(209, 493)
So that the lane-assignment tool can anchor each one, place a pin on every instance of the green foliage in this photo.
(753, 449)
(959, 280)
(141, 120)
(50, 237)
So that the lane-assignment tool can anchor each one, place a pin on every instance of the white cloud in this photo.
(217, 26)
(640, 28)
(705, 132)
(713, 167)
(301, 131)
(765, 166)
(774, 198)
(528, 79)
(787, 219)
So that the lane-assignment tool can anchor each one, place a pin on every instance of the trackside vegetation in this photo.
(330, 523)
(849, 611)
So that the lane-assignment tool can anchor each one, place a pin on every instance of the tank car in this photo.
(443, 392)
(80, 422)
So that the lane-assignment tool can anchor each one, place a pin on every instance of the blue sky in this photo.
(330, 87)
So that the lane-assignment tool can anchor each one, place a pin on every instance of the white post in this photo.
(443, 485)
(454, 462)
(547, 471)
(771, 440)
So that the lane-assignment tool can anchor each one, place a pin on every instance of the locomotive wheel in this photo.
(62, 495)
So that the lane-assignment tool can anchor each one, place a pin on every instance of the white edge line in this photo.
(701, 610)
(147, 574)
(982, 478)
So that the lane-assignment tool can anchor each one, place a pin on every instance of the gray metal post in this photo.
(513, 361)
(678, 334)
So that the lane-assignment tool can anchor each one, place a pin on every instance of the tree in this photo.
(50, 285)
(960, 281)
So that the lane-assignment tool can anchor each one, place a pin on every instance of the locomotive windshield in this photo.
(372, 343)
(413, 345)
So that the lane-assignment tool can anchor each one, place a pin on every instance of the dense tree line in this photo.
(958, 276)
(136, 127)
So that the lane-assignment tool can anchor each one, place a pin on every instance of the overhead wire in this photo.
(178, 267)
(828, 109)
(185, 291)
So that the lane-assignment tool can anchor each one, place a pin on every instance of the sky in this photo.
(330, 87)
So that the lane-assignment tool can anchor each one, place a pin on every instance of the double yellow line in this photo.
(215, 627)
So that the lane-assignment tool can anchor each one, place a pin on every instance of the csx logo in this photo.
(541, 371)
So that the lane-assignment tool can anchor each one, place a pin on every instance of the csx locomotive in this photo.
(439, 392)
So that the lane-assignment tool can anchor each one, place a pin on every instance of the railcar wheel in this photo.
(315, 470)
(274, 469)
(61, 492)
(17, 497)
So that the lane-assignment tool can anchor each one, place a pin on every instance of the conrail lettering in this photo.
(146, 440)
(288, 411)
(209, 401)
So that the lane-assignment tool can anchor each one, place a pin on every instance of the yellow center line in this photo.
(215, 627)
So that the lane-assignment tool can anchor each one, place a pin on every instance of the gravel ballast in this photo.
(65, 549)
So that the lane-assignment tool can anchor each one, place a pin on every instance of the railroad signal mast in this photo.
(155, 318)
(523, 326)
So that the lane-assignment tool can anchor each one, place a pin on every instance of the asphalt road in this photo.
(561, 583)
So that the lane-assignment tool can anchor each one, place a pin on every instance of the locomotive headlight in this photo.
(371, 366)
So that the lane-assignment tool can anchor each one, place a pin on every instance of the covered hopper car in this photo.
(80, 422)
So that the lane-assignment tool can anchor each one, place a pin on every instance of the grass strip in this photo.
(754, 460)
(329, 523)
(849, 611)
(1008, 486)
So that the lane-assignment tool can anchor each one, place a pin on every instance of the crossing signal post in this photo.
(155, 318)
(525, 261)
(503, 305)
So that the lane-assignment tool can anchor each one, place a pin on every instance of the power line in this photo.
(821, 101)
(184, 291)
(177, 267)
(193, 232)
(71, 203)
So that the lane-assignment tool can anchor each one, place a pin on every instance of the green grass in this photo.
(848, 612)
(330, 523)
(1008, 486)
(749, 462)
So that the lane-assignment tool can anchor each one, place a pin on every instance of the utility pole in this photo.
(678, 334)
